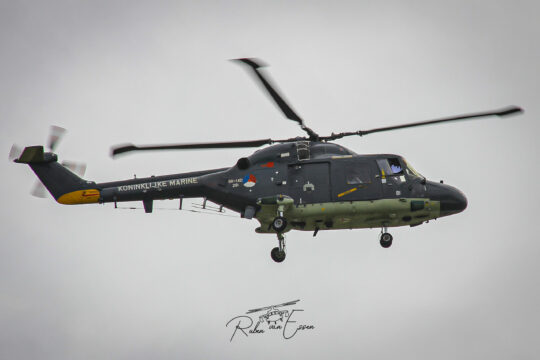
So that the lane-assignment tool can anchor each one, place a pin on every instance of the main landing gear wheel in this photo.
(279, 224)
(386, 239)
(278, 253)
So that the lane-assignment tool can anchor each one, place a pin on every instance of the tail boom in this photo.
(69, 189)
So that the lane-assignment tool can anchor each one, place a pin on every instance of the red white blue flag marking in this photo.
(249, 180)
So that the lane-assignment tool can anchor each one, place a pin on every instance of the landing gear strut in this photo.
(279, 225)
(278, 253)
(385, 238)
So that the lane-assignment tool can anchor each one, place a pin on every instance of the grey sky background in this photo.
(92, 282)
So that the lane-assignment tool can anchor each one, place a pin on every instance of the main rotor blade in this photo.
(510, 110)
(255, 64)
(116, 150)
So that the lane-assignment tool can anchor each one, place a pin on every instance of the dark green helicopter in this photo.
(303, 183)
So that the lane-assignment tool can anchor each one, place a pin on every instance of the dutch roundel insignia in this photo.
(249, 180)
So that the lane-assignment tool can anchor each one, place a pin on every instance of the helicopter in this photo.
(306, 183)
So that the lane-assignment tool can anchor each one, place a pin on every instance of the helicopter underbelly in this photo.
(352, 214)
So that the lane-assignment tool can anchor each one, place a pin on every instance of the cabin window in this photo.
(358, 175)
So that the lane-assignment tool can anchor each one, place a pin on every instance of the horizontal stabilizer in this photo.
(31, 155)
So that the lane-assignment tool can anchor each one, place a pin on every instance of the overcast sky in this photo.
(92, 282)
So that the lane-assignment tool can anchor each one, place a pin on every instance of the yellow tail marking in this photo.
(347, 192)
(80, 197)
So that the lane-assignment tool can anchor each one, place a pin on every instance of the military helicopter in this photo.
(304, 183)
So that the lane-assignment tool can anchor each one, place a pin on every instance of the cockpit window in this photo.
(395, 166)
(390, 166)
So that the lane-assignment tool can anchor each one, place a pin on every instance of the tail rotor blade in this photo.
(15, 152)
(55, 136)
(39, 190)
(75, 167)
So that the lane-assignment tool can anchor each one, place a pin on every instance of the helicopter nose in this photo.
(453, 201)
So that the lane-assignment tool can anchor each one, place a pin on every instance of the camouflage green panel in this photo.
(350, 214)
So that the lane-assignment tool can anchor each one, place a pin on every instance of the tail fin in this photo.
(64, 186)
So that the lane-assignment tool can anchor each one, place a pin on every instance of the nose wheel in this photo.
(385, 238)
(278, 253)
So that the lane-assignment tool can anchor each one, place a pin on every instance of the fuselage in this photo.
(330, 187)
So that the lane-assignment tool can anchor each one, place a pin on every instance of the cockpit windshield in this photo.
(411, 171)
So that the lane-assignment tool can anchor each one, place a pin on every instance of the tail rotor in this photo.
(55, 136)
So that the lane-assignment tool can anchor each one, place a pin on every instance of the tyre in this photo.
(277, 255)
(386, 240)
